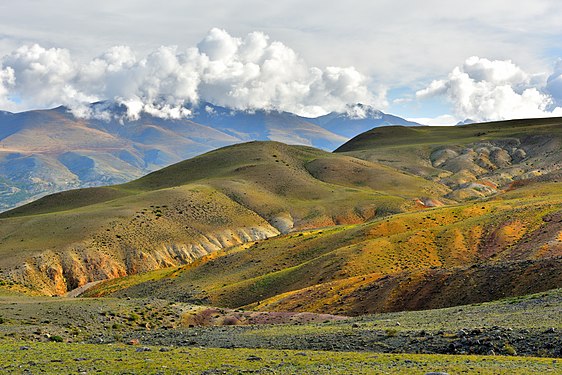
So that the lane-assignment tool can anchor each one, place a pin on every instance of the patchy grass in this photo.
(415, 260)
(56, 358)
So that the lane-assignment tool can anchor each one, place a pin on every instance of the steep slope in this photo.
(47, 151)
(226, 197)
(434, 258)
(474, 160)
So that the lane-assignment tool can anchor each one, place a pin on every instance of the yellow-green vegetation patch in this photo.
(113, 285)
(230, 196)
(335, 269)
(56, 358)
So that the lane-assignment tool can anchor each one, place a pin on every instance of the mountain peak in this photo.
(467, 121)
(361, 111)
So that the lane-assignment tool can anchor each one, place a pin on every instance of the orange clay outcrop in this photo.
(57, 273)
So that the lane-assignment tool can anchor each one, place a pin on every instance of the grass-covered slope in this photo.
(226, 197)
(474, 160)
(346, 234)
(446, 256)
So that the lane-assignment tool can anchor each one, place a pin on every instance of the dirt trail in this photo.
(78, 291)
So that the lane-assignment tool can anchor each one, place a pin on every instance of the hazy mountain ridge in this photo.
(357, 119)
(47, 151)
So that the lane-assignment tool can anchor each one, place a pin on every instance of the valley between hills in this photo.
(424, 241)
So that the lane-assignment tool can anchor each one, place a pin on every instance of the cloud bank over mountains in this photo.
(485, 90)
(243, 73)
(253, 73)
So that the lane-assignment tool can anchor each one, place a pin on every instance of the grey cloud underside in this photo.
(50, 150)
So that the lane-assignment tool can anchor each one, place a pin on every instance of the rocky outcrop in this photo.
(57, 273)
(483, 168)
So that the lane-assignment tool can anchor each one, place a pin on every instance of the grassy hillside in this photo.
(226, 197)
(446, 256)
(476, 205)
(474, 160)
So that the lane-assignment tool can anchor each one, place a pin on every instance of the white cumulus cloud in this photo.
(485, 90)
(554, 83)
(443, 120)
(7, 79)
(243, 73)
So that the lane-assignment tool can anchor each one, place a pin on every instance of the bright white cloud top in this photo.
(386, 48)
(243, 73)
(484, 90)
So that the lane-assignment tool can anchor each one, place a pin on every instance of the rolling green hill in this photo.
(226, 197)
(474, 161)
(398, 218)
(46, 151)
(503, 241)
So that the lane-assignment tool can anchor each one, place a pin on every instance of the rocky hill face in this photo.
(47, 151)
(474, 161)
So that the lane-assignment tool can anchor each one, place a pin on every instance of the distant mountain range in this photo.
(46, 151)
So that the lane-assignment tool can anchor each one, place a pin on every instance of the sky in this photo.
(435, 61)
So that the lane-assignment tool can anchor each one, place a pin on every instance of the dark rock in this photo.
(253, 358)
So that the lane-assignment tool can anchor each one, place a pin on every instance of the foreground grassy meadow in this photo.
(77, 335)
(51, 358)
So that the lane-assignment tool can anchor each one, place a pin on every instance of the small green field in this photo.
(57, 358)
